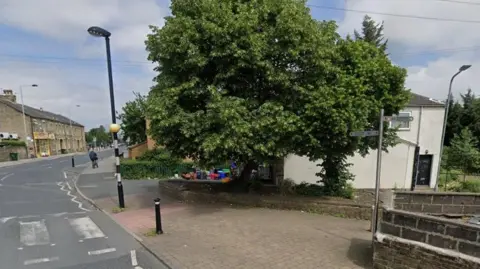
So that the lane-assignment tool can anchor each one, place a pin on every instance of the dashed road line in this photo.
(102, 251)
(133, 256)
(41, 260)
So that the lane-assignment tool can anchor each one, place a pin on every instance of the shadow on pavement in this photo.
(360, 252)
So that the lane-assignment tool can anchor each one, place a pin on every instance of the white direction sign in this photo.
(399, 118)
(364, 133)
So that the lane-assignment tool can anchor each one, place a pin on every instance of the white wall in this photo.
(397, 164)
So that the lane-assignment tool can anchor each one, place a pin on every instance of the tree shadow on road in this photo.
(360, 252)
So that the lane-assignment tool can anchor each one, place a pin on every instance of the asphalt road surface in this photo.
(45, 224)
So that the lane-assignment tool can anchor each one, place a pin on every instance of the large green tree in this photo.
(257, 80)
(133, 121)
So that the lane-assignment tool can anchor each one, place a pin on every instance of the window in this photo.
(402, 124)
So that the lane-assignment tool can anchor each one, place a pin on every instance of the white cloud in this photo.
(81, 78)
(456, 40)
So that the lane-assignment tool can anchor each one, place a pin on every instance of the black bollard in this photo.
(158, 217)
(73, 161)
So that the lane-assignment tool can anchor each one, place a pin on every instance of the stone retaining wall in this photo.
(438, 203)
(435, 231)
(392, 252)
(339, 208)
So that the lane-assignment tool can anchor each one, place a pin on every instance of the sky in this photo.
(46, 43)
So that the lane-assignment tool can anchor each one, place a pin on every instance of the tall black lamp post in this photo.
(100, 32)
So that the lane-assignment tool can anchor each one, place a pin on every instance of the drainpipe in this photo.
(417, 151)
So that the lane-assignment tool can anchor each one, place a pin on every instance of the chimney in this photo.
(9, 96)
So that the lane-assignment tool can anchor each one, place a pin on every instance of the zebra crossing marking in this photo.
(86, 228)
(34, 233)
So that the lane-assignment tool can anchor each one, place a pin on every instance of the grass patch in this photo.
(117, 210)
(150, 233)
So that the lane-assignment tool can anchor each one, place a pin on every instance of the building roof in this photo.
(40, 114)
(420, 100)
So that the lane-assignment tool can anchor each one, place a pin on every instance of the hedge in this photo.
(134, 169)
(13, 143)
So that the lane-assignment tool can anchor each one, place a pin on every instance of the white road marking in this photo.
(5, 219)
(5, 177)
(102, 251)
(88, 186)
(42, 260)
(86, 228)
(34, 233)
(20, 248)
(66, 213)
(133, 255)
(74, 198)
(138, 267)
(65, 174)
(68, 185)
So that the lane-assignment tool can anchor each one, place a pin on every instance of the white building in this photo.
(398, 165)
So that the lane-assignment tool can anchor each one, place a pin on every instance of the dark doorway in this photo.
(424, 170)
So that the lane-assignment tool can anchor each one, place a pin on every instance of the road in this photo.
(43, 224)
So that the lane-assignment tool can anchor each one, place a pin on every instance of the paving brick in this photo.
(215, 237)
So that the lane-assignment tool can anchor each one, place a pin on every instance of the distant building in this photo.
(48, 133)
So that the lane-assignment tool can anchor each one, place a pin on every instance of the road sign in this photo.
(398, 118)
(364, 133)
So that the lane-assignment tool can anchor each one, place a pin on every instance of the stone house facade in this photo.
(47, 133)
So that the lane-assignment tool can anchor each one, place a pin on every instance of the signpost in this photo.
(378, 133)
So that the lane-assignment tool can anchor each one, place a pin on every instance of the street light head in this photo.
(114, 128)
(464, 67)
(34, 85)
(98, 32)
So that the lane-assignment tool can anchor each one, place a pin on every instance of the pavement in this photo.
(197, 236)
(44, 223)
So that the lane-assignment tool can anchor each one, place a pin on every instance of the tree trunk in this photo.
(333, 178)
(247, 171)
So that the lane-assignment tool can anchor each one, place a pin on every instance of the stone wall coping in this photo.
(432, 218)
(380, 237)
(438, 193)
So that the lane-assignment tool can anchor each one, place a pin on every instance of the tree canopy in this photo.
(257, 80)
(372, 32)
(101, 134)
(463, 153)
(133, 120)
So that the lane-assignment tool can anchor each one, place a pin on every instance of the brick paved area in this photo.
(211, 237)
